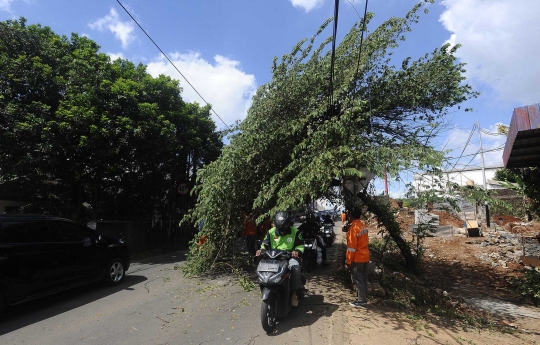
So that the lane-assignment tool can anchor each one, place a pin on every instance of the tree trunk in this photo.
(387, 218)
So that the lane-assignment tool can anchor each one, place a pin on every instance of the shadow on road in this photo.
(24, 314)
(310, 309)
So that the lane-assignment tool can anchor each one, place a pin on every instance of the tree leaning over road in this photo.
(294, 141)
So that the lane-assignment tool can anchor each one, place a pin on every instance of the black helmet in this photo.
(311, 218)
(282, 222)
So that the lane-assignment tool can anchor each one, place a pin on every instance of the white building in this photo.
(463, 177)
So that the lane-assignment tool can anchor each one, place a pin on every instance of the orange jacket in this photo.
(264, 227)
(250, 229)
(357, 243)
(343, 217)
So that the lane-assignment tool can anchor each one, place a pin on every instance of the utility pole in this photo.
(483, 171)
(481, 155)
(385, 183)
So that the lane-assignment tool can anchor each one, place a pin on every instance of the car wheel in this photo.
(115, 273)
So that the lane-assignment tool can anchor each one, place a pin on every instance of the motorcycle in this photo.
(311, 250)
(274, 281)
(328, 234)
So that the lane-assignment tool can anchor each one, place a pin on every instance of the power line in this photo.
(499, 148)
(470, 136)
(361, 41)
(491, 133)
(332, 57)
(147, 35)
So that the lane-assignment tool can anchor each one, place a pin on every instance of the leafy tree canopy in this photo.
(300, 133)
(93, 137)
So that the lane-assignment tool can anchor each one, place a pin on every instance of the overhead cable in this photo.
(498, 148)
(332, 57)
(165, 55)
(490, 133)
(361, 40)
(470, 136)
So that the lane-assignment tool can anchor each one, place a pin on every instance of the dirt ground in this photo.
(383, 323)
(472, 267)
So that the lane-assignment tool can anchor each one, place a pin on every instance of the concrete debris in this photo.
(507, 249)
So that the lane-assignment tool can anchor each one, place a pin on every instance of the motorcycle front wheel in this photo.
(268, 317)
(308, 261)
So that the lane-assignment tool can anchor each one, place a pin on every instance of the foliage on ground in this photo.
(527, 286)
(417, 296)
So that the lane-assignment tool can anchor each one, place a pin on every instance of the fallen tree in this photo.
(296, 139)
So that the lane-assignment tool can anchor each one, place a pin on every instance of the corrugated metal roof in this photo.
(522, 147)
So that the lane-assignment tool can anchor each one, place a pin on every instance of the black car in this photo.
(41, 255)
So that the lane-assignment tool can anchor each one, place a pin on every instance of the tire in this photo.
(115, 272)
(308, 262)
(268, 317)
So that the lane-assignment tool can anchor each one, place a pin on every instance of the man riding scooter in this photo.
(312, 228)
(284, 236)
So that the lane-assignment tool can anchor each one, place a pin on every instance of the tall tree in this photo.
(94, 137)
(300, 132)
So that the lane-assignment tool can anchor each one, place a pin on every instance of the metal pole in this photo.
(483, 173)
(482, 155)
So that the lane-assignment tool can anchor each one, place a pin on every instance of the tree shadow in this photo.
(310, 309)
(21, 315)
(163, 259)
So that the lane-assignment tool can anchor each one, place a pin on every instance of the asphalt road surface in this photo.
(156, 304)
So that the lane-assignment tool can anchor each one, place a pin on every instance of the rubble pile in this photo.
(503, 248)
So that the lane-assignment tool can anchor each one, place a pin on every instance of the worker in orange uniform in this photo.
(264, 227)
(357, 256)
(250, 233)
(343, 217)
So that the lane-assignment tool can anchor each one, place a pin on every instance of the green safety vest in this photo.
(285, 242)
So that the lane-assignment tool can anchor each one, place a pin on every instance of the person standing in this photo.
(264, 227)
(357, 256)
(343, 217)
(250, 233)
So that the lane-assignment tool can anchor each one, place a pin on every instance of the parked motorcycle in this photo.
(328, 234)
(274, 282)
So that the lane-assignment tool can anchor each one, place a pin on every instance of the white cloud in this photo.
(121, 30)
(500, 44)
(307, 5)
(115, 56)
(222, 84)
(5, 6)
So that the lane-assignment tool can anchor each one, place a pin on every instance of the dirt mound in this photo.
(446, 218)
(504, 219)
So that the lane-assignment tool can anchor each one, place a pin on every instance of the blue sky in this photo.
(225, 48)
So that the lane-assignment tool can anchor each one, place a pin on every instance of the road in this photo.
(156, 304)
